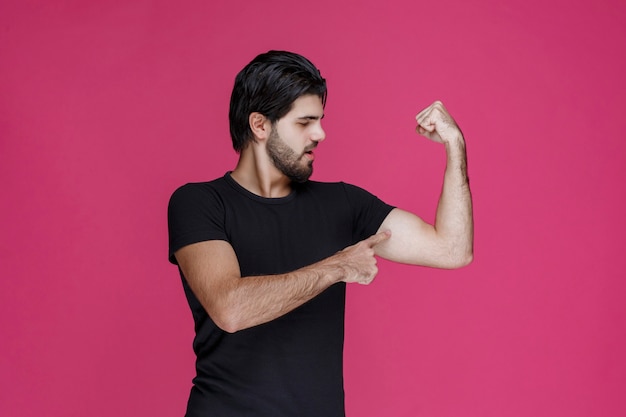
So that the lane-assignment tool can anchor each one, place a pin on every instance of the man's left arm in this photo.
(449, 242)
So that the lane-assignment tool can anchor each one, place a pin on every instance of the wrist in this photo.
(455, 144)
(325, 272)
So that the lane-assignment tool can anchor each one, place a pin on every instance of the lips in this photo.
(308, 151)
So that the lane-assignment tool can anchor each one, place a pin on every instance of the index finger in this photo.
(378, 238)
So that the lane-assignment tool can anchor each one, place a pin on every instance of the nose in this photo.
(318, 135)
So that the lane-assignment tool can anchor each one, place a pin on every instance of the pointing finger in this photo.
(378, 238)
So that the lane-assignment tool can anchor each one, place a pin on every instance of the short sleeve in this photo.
(195, 214)
(369, 211)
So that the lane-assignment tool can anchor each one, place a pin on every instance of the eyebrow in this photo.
(310, 117)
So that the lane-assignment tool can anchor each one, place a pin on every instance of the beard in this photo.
(286, 160)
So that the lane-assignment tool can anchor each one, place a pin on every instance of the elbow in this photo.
(465, 260)
(459, 258)
(224, 311)
(230, 329)
(226, 321)
(461, 252)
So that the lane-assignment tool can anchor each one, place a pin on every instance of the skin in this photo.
(211, 267)
(297, 166)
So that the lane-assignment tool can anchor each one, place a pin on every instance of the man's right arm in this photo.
(234, 303)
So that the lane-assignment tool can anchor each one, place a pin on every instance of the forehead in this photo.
(307, 106)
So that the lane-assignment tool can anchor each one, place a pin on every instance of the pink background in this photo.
(107, 106)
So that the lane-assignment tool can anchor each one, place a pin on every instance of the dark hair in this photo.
(270, 84)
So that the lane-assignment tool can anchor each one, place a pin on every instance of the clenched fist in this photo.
(435, 123)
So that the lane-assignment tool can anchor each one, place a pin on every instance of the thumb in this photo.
(378, 238)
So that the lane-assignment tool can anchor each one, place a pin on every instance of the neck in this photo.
(257, 174)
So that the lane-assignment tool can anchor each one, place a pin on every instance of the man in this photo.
(265, 254)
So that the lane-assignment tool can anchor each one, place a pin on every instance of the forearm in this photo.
(236, 303)
(454, 221)
(255, 300)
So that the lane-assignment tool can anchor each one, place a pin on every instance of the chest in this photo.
(277, 238)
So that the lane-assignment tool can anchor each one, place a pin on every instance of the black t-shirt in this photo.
(291, 366)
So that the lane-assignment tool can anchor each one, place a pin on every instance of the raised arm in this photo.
(449, 242)
(235, 303)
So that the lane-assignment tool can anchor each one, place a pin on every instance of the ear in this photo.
(260, 126)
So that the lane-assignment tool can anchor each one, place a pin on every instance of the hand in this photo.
(435, 123)
(358, 262)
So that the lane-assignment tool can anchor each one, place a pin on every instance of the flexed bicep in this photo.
(413, 241)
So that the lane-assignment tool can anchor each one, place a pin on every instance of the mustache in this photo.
(310, 147)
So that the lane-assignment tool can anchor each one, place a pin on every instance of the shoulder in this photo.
(195, 213)
(200, 187)
(198, 191)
